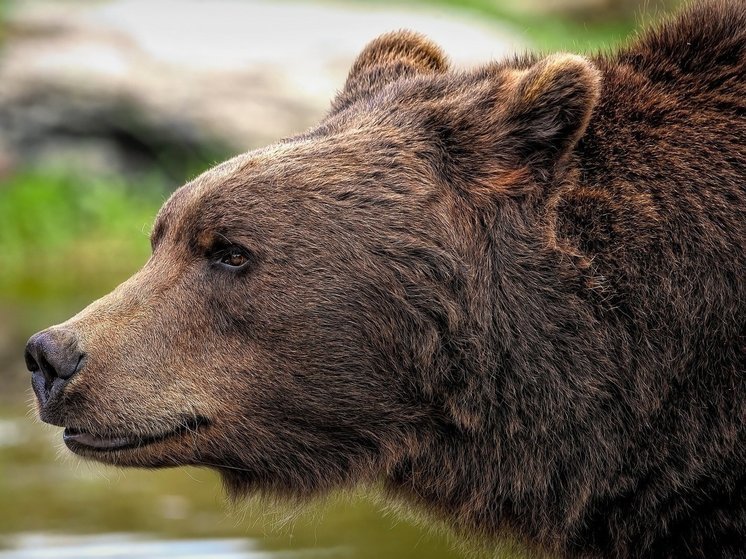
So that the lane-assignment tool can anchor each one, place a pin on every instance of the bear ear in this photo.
(386, 59)
(548, 108)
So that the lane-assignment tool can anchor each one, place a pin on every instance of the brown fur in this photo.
(516, 294)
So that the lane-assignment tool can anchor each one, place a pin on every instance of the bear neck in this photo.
(516, 390)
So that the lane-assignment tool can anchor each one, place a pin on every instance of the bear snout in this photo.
(53, 357)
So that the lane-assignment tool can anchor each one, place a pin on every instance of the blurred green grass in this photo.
(3, 17)
(64, 233)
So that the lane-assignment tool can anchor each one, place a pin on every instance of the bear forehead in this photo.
(311, 169)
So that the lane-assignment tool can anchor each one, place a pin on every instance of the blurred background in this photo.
(106, 107)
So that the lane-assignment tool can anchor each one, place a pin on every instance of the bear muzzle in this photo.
(54, 357)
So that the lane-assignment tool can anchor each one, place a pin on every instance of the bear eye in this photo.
(227, 255)
(234, 258)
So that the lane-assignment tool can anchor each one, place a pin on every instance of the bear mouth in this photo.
(82, 441)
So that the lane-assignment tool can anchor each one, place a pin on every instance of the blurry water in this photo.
(124, 546)
(131, 546)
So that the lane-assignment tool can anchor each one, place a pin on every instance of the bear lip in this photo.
(79, 439)
(94, 441)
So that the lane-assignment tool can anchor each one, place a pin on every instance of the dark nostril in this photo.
(54, 353)
(31, 363)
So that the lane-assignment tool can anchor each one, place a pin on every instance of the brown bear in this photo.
(516, 294)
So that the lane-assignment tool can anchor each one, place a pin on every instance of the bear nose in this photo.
(53, 357)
